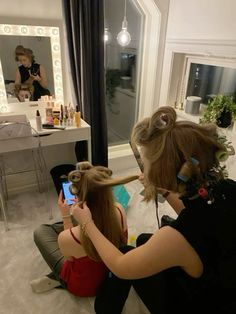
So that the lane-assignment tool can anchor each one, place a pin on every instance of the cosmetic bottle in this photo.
(77, 117)
(56, 121)
(61, 115)
(38, 121)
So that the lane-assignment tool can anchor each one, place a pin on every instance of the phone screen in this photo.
(67, 193)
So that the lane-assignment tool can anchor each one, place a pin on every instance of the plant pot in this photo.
(225, 119)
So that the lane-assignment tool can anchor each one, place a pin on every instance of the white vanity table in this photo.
(47, 137)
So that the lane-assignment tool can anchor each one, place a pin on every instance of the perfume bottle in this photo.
(38, 121)
(77, 117)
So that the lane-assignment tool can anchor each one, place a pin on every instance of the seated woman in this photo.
(24, 92)
(31, 72)
(70, 254)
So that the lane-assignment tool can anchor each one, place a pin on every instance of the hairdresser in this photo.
(188, 266)
(31, 72)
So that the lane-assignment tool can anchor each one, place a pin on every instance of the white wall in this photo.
(38, 9)
(201, 27)
(204, 19)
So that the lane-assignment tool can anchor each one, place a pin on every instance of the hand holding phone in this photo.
(66, 192)
(63, 206)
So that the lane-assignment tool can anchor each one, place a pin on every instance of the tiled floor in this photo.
(20, 261)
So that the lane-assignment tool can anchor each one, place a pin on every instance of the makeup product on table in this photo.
(38, 121)
(56, 121)
(61, 115)
(65, 118)
(48, 114)
(50, 126)
(77, 117)
(71, 112)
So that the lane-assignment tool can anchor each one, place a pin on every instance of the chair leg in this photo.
(44, 172)
(38, 178)
(3, 206)
(3, 177)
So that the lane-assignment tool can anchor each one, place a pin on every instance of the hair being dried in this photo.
(168, 144)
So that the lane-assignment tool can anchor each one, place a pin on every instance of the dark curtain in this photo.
(84, 23)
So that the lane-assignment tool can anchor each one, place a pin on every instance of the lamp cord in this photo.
(125, 11)
(157, 212)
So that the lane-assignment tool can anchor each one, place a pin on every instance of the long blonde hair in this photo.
(93, 184)
(169, 144)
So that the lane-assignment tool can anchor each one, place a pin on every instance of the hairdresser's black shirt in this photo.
(34, 69)
(211, 230)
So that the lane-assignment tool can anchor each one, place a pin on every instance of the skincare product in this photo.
(61, 115)
(56, 121)
(38, 121)
(71, 112)
(77, 117)
(66, 116)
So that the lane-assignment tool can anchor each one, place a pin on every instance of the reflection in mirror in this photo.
(27, 67)
(207, 81)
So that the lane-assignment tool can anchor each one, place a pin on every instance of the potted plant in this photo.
(221, 110)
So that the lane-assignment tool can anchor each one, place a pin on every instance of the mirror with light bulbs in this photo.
(30, 64)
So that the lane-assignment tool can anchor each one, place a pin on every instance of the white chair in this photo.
(17, 137)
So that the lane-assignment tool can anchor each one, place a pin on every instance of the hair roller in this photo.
(74, 176)
(73, 189)
(84, 165)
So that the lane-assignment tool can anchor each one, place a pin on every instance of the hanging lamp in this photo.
(124, 37)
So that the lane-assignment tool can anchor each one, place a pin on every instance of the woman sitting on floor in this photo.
(70, 254)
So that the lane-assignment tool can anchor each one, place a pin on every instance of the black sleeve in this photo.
(190, 224)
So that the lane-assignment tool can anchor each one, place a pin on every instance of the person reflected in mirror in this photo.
(31, 72)
(24, 92)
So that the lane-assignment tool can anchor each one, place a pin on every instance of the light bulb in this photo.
(124, 37)
(107, 36)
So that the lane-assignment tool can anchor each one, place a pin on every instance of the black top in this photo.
(25, 73)
(211, 230)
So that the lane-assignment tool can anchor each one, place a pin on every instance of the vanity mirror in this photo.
(30, 64)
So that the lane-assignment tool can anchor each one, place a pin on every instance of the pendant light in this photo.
(124, 37)
(107, 36)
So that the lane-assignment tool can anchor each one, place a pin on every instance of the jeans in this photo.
(45, 238)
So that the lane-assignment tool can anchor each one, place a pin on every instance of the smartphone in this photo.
(66, 192)
(137, 155)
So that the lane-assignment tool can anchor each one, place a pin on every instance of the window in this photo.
(122, 66)
(207, 81)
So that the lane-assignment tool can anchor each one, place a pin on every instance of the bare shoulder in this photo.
(67, 244)
(121, 208)
(122, 212)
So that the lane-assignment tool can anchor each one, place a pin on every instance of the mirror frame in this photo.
(40, 31)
